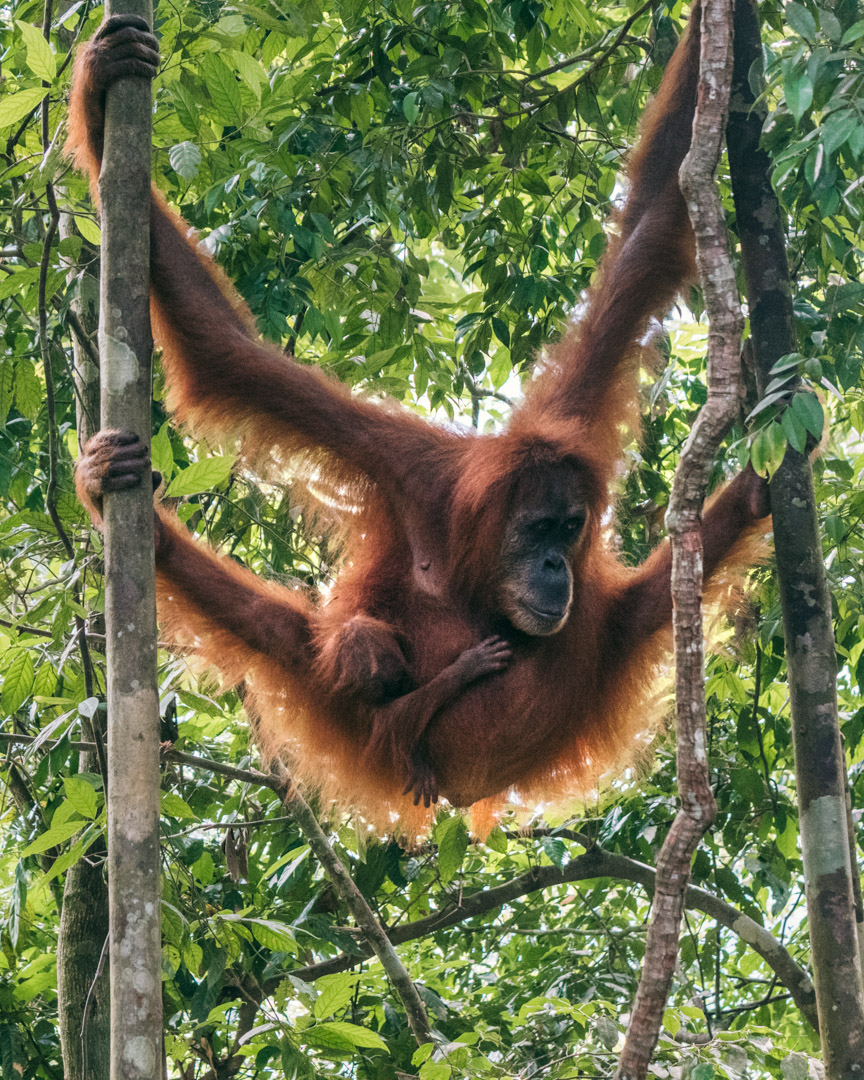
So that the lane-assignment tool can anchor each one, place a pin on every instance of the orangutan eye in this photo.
(574, 525)
(542, 527)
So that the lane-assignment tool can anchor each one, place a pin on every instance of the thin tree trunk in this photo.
(84, 308)
(125, 347)
(810, 652)
(684, 522)
(83, 1005)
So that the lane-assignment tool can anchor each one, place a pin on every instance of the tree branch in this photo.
(684, 521)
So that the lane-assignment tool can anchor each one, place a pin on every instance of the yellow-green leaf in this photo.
(16, 106)
(203, 475)
(40, 59)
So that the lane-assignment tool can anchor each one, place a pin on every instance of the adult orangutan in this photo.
(482, 635)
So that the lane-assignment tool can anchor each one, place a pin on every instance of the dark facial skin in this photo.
(546, 523)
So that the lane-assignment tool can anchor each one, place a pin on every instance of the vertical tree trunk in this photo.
(83, 1006)
(84, 308)
(810, 653)
(125, 348)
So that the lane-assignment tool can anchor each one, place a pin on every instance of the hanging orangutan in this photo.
(482, 636)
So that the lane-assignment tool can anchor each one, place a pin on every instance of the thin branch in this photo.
(356, 903)
(684, 521)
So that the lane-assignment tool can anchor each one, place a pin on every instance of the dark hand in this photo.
(487, 658)
(113, 460)
(422, 782)
(121, 48)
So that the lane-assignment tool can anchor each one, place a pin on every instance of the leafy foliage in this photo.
(412, 197)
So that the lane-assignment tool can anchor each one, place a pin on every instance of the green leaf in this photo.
(89, 229)
(28, 390)
(204, 475)
(799, 93)
(808, 409)
(7, 387)
(249, 70)
(497, 841)
(855, 31)
(161, 452)
(53, 837)
(40, 58)
(556, 849)
(835, 528)
(452, 838)
(352, 1034)
(273, 935)
(795, 431)
(81, 795)
(223, 89)
(444, 181)
(837, 129)
(174, 806)
(410, 107)
(435, 1070)
(17, 106)
(335, 994)
(185, 159)
(801, 21)
(422, 1053)
(17, 682)
(703, 1072)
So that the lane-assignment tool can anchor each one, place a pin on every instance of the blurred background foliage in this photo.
(412, 196)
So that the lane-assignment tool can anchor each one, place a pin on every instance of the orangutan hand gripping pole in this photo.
(455, 539)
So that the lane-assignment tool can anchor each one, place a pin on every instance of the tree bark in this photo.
(810, 652)
(125, 347)
(83, 1005)
(684, 522)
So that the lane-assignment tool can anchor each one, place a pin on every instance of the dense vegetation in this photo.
(412, 197)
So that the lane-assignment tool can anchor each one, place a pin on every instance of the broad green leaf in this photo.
(273, 935)
(202, 475)
(352, 1034)
(410, 107)
(422, 1053)
(17, 281)
(223, 88)
(335, 993)
(40, 58)
(801, 21)
(16, 106)
(795, 431)
(17, 682)
(435, 1070)
(161, 452)
(249, 70)
(81, 795)
(53, 837)
(7, 389)
(452, 838)
(808, 409)
(89, 229)
(799, 93)
(185, 159)
(174, 806)
(29, 395)
(837, 129)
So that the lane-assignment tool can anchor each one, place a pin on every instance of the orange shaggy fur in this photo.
(420, 581)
